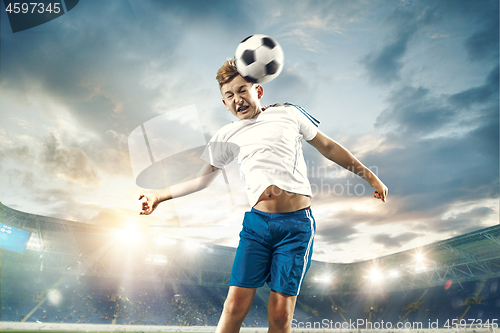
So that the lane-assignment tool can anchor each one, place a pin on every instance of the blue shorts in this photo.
(275, 248)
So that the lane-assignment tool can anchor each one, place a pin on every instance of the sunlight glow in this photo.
(192, 245)
(129, 236)
(164, 241)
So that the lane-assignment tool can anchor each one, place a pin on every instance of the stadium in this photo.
(78, 276)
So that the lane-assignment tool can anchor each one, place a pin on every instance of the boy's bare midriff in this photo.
(276, 200)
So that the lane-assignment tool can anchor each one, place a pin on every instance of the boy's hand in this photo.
(381, 191)
(150, 204)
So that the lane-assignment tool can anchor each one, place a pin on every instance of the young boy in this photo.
(277, 236)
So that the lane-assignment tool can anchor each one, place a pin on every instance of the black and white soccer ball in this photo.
(259, 58)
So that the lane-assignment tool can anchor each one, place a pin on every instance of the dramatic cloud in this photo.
(487, 93)
(409, 24)
(71, 164)
(465, 222)
(335, 231)
(394, 241)
(483, 44)
(384, 66)
(445, 149)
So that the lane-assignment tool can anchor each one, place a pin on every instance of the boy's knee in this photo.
(234, 309)
(280, 318)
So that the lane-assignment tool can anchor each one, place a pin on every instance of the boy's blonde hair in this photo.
(226, 72)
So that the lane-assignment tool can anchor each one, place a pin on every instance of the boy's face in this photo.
(242, 97)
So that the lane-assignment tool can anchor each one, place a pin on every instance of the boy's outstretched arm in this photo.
(338, 154)
(199, 181)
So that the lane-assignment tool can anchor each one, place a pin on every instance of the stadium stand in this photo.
(73, 273)
(86, 301)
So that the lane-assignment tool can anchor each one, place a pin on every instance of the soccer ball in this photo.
(259, 58)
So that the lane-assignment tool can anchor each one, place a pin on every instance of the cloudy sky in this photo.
(409, 86)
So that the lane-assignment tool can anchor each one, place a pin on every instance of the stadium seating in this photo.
(80, 299)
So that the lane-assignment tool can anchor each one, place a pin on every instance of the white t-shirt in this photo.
(268, 149)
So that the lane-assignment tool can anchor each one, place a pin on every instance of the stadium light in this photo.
(419, 257)
(394, 273)
(420, 268)
(34, 243)
(323, 278)
(156, 259)
(54, 296)
(375, 275)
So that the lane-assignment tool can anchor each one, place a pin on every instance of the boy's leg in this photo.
(280, 312)
(237, 304)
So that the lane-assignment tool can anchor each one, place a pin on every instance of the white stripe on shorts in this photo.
(306, 256)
